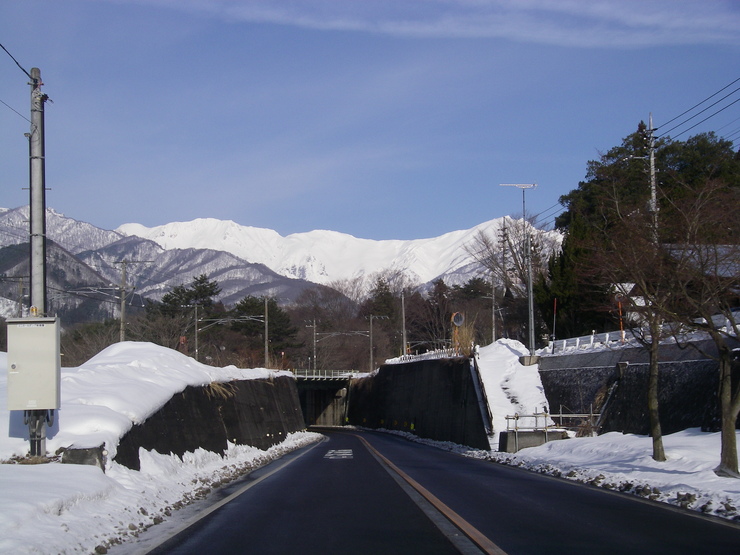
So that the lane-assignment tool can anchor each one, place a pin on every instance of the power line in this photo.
(702, 102)
(14, 110)
(701, 112)
(16, 63)
(708, 117)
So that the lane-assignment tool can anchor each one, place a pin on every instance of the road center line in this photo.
(468, 529)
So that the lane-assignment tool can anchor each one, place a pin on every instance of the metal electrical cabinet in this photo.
(34, 365)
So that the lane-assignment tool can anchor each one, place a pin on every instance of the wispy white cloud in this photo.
(579, 23)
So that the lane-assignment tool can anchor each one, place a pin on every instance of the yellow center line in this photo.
(475, 535)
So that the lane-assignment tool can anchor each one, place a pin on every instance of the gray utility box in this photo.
(34, 366)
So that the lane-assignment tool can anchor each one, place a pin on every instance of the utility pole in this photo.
(653, 185)
(403, 321)
(124, 263)
(313, 325)
(123, 301)
(371, 345)
(267, 341)
(38, 418)
(38, 196)
(528, 255)
(196, 331)
(493, 308)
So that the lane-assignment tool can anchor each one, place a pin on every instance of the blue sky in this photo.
(381, 119)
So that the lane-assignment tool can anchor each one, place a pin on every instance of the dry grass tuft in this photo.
(221, 390)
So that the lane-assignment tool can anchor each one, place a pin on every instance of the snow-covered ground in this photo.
(55, 508)
(64, 508)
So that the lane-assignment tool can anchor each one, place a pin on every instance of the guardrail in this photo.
(588, 341)
(323, 374)
(625, 337)
(429, 355)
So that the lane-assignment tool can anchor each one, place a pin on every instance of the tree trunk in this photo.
(655, 431)
(728, 465)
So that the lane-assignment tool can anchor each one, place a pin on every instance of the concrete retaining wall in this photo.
(435, 399)
(248, 412)
(513, 441)
(688, 382)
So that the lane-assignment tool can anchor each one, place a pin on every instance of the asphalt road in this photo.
(365, 492)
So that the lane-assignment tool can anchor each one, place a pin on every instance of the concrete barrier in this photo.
(513, 441)
(434, 399)
(249, 412)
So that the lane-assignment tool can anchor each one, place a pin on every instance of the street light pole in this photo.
(528, 254)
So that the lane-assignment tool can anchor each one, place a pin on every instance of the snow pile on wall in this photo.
(102, 399)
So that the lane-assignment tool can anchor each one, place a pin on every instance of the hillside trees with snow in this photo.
(649, 257)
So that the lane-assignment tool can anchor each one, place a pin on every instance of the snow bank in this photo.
(510, 387)
(69, 508)
(121, 386)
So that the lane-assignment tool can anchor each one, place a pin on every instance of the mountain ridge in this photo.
(247, 260)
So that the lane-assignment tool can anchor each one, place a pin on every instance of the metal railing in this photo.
(310, 373)
(588, 341)
(625, 337)
(517, 418)
(545, 421)
(429, 355)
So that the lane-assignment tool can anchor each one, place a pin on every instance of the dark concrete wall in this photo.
(435, 399)
(688, 383)
(248, 412)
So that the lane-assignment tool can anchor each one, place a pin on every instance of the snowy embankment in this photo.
(69, 509)
(616, 461)
(61, 508)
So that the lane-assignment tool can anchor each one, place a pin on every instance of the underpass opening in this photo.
(323, 400)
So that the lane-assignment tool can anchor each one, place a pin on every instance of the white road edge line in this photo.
(201, 515)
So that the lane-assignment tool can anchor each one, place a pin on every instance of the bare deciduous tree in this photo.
(706, 287)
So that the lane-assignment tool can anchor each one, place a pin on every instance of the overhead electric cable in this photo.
(732, 135)
(708, 117)
(728, 123)
(700, 112)
(702, 102)
(16, 63)
(547, 209)
(16, 111)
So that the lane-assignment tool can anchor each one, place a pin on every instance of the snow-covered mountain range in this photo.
(325, 256)
(244, 260)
